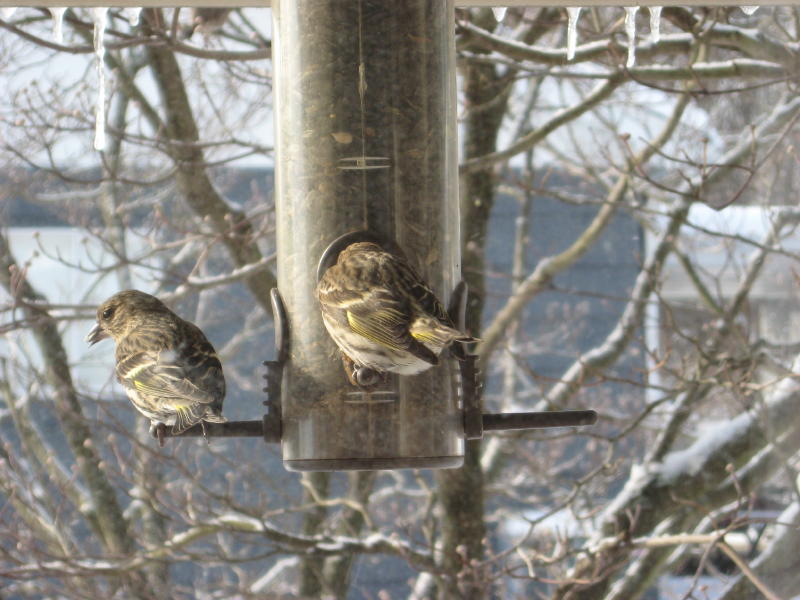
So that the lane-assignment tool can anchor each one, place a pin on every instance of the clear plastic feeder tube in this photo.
(365, 125)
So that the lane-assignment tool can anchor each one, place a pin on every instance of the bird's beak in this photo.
(96, 334)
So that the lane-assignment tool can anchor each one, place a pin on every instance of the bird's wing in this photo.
(382, 323)
(419, 291)
(389, 327)
(374, 309)
(164, 374)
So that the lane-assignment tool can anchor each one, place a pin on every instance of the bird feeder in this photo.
(365, 120)
(365, 127)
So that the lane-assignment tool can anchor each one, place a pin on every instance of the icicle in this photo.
(499, 14)
(630, 29)
(58, 22)
(749, 10)
(133, 15)
(100, 16)
(572, 30)
(7, 11)
(655, 23)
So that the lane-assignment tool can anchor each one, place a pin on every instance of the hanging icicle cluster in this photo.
(58, 24)
(100, 15)
(630, 31)
(133, 15)
(100, 18)
(573, 12)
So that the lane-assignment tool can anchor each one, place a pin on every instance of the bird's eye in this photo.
(107, 313)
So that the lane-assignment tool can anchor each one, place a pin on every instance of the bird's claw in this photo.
(159, 432)
(349, 369)
(366, 377)
(362, 377)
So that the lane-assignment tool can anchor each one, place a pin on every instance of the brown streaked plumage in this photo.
(382, 315)
(169, 369)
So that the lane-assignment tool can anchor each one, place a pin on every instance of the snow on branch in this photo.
(549, 266)
(617, 340)
(374, 543)
(761, 137)
(696, 475)
(698, 389)
(699, 475)
(723, 69)
(695, 470)
(777, 563)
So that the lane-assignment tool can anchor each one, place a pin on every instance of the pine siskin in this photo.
(169, 369)
(382, 315)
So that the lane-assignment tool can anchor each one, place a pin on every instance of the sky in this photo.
(34, 69)
(28, 71)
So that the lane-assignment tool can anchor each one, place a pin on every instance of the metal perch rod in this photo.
(491, 422)
(229, 429)
(538, 420)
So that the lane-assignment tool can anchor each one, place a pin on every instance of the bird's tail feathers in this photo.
(431, 331)
(210, 417)
(191, 414)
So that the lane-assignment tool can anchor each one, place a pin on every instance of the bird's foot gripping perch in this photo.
(362, 377)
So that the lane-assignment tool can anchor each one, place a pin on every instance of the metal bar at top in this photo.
(459, 3)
